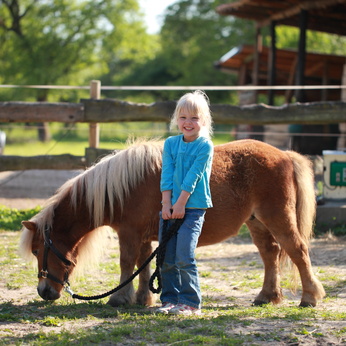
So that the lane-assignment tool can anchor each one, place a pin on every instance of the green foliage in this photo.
(193, 36)
(10, 219)
(317, 42)
(337, 230)
(67, 42)
(73, 42)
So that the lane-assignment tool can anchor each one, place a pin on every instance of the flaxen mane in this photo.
(113, 176)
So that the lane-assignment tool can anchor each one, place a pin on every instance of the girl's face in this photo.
(189, 125)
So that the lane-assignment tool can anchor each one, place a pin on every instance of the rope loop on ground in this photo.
(159, 252)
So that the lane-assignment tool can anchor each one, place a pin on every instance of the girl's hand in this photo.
(179, 206)
(166, 211)
(178, 211)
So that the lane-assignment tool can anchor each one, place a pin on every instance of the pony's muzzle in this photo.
(46, 291)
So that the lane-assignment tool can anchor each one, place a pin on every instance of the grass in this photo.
(67, 322)
(322, 229)
(137, 326)
(11, 218)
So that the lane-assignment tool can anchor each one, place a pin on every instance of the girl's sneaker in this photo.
(183, 309)
(165, 308)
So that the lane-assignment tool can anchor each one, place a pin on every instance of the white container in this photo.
(334, 174)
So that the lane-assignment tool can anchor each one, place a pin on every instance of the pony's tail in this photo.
(305, 204)
(306, 198)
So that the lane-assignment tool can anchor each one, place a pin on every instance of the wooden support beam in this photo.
(291, 79)
(342, 126)
(272, 63)
(300, 94)
(325, 81)
(255, 71)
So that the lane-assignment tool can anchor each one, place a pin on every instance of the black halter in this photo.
(48, 245)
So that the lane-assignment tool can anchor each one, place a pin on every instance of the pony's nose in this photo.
(47, 292)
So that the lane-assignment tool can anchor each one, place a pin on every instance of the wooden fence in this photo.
(96, 110)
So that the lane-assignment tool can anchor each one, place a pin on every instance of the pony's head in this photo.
(54, 268)
(59, 236)
(36, 243)
(57, 259)
(69, 228)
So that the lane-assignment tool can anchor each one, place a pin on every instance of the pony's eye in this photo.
(35, 253)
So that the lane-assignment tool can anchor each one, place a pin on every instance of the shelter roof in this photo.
(320, 68)
(323, 15)
(316, 64)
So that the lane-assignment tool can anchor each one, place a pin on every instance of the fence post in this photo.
(94, 128)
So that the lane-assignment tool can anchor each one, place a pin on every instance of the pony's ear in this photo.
(31, 226)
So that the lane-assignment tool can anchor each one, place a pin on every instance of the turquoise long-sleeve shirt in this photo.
(187, 166)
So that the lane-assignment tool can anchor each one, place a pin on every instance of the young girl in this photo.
(186, 167)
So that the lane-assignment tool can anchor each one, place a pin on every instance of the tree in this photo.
(192, 37)
(51, 42)
(126, 46)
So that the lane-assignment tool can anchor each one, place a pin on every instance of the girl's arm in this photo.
(166, 205)
(179, 206)
(167, 168)
(166, 183)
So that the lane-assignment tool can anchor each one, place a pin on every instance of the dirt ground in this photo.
(32, 188)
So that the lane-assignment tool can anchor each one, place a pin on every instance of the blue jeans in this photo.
(180, 281)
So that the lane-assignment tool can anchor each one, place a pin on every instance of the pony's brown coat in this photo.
(252, 182)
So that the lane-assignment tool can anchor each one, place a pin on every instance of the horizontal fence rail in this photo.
(111, 110)
(58, 162)
(96, 110)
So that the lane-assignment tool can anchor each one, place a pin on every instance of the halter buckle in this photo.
(44, 274)
(68, 289)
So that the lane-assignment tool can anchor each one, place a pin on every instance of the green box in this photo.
(338, 173)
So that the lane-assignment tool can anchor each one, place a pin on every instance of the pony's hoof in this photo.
(259, 303)
(116, 301)
(148, 301)
(307, 305)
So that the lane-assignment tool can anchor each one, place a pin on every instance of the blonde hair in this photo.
(196, 102)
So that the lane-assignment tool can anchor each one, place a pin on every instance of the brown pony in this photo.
(269, 190)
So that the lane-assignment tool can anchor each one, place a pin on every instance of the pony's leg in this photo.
(282, 225)
(129, 251)
(269, 251)
(298, 251)
(143, 294)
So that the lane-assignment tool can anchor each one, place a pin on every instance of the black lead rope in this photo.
(160, 252)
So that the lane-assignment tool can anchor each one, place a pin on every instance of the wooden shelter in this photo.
(323, 15)
(318, 15)
(320, 69)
